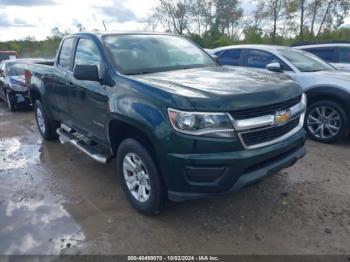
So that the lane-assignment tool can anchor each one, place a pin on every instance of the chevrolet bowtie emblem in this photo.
(282, 117)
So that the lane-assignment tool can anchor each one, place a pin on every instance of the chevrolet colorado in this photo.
(180, 125)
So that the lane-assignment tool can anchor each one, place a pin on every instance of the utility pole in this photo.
(104, 25)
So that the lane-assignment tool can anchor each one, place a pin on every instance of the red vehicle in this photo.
(6, 55)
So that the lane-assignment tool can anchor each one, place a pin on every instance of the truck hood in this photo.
(224, 88)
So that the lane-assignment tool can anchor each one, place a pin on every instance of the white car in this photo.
(327, 89)
(337, 54)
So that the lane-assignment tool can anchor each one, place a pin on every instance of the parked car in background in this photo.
(327, 89)
(13, 85)
(337, 54)
(180, 125)
(8, 55)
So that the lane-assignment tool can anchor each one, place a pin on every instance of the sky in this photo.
(36, 18)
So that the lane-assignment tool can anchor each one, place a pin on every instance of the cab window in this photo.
(87, 53)
(64, 60)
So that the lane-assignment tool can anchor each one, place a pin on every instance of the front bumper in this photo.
(205, 175)
(20, 99)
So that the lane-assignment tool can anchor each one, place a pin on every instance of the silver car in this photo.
(337, 54)
(327, 89)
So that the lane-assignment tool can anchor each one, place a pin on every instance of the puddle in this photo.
(37, 228)
(14, 154)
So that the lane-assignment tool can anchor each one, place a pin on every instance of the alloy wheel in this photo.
(136, 177)
(40, 120)
(324, 122)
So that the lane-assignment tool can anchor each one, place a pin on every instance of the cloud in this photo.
(5, 21)
(20, 22)
(118, 13)
(28, 3)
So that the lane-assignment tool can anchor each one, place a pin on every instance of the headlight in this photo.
(304, 100)
(18, 86)
(202, 124)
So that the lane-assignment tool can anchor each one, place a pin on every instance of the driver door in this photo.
(87, 99)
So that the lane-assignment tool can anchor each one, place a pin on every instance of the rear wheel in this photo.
(140, 178)
(10, 103)
(47, 127)
(326, 121)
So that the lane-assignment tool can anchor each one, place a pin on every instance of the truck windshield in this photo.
(305, 62)
(141, 54)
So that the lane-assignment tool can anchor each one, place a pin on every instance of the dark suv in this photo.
(180, 125)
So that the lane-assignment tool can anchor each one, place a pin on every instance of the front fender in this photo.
(329, 92)
(141, 113)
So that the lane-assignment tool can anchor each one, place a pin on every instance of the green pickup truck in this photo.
(180, 125)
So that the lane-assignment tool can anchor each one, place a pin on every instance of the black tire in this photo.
(157, 197)
(9, 101)
(47, 127)
(328, 137)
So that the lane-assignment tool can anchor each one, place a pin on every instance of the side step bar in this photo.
(66, 137)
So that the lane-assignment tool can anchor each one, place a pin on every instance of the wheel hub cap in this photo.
(324, 122)
(40, 119)
(136, 177)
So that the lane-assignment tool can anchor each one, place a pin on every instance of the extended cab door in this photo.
(87, 99)
(57, 92)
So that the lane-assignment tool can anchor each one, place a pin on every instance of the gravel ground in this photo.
(55, 200)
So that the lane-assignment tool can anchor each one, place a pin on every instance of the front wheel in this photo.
(140, 178)
(326, 122)
(47, 127)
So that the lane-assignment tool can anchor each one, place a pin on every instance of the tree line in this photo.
(30, 47)
(213, 23)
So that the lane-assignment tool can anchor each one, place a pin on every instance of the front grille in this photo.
(265, 110)
(268, 134)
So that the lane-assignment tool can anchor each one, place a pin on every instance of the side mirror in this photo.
(86, 72)
(274, 67)
(216, 58)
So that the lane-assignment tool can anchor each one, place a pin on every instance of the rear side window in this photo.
(260, 59)
(344, 55)
(326, 54)
(65, 54)
(230, 57)
(87, 53)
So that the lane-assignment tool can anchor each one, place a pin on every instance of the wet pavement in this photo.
(56, 200)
